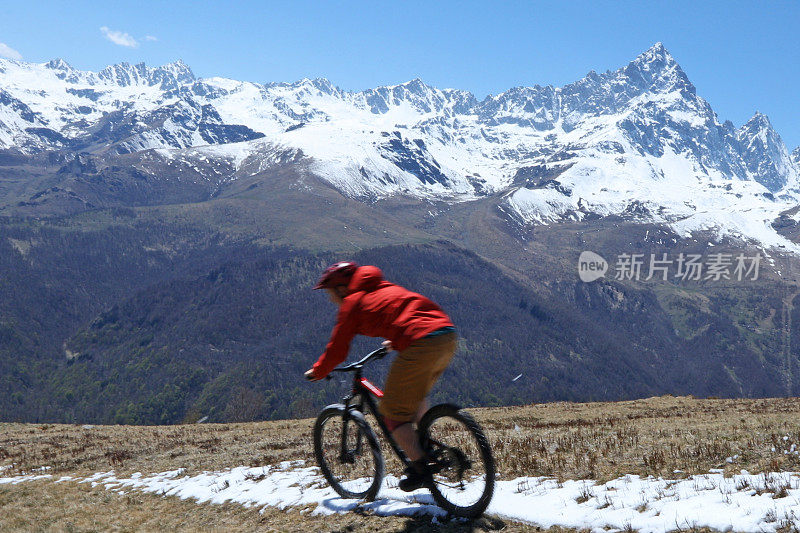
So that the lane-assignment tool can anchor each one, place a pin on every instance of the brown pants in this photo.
(413, 374)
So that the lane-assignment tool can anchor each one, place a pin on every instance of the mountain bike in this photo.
(462, 470)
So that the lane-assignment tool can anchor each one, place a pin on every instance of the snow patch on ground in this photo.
(14, 480)
(744, 502)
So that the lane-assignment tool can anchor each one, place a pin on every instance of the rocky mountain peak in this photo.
(765, 154)
(421, 96)
(759, 119)
(168, 77)
(656, 70)
(651, 74)
(656, 55)
(179, 70)
(306, 85)
(758, 126)
(58, 64)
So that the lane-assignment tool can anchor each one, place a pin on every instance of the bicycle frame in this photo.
(363, 394)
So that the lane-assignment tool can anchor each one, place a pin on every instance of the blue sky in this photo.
(741, 56)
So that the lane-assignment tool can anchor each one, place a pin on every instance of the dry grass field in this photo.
(668, 436)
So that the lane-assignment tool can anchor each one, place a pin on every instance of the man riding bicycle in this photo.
(413, 325)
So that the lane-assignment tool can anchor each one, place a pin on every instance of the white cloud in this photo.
(7, 51)
(150, 38)
(119, 37)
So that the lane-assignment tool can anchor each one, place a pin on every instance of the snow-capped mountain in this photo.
(765, 156)
(637, 142)
(129, 107)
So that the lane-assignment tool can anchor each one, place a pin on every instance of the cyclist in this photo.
(413, 325)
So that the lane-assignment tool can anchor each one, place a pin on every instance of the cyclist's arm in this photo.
(339, 345)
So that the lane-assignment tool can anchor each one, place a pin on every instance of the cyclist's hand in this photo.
(387, 345)
(310, 375)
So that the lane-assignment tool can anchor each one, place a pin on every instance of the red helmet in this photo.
(337, 274)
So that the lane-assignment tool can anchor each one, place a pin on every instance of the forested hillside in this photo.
(232, 343)
(170, 314)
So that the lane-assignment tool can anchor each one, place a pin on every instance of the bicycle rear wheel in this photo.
(348, 453)
(464, 470)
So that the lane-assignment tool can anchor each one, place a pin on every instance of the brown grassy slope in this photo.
(566, 440)
(598, 440)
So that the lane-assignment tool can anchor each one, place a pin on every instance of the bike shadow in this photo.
(420, 511)
(426, 523)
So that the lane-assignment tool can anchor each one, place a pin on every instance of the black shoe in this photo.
(415, 476)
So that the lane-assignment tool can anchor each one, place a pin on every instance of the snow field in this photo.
(743, 502)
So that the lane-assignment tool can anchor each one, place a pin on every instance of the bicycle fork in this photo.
(346, 455)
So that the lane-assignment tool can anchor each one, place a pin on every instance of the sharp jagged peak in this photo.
(654, 72)
(169, 76)
(758, 120)
(658, 54)
(656, 60)
(178, 64)
(420, 88)
(522, 90)
(416, 86)
(655, 69)
(764, 153)
(179, 68)
(6, 60)
(58, 64)
(322, 85)
(759, 125)
(318, 82)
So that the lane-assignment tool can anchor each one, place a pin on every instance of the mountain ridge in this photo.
(634, 141)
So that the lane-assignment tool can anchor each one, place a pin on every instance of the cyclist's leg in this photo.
(447, 349)
(401, 399)
(411, 377)
(422, 409)
(407, 439)
(406, 434)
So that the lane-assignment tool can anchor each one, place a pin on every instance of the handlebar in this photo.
(352, 367)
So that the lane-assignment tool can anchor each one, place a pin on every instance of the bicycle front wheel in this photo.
(348, 453)
(463, 471)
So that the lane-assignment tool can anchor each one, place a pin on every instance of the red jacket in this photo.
(377, 308)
